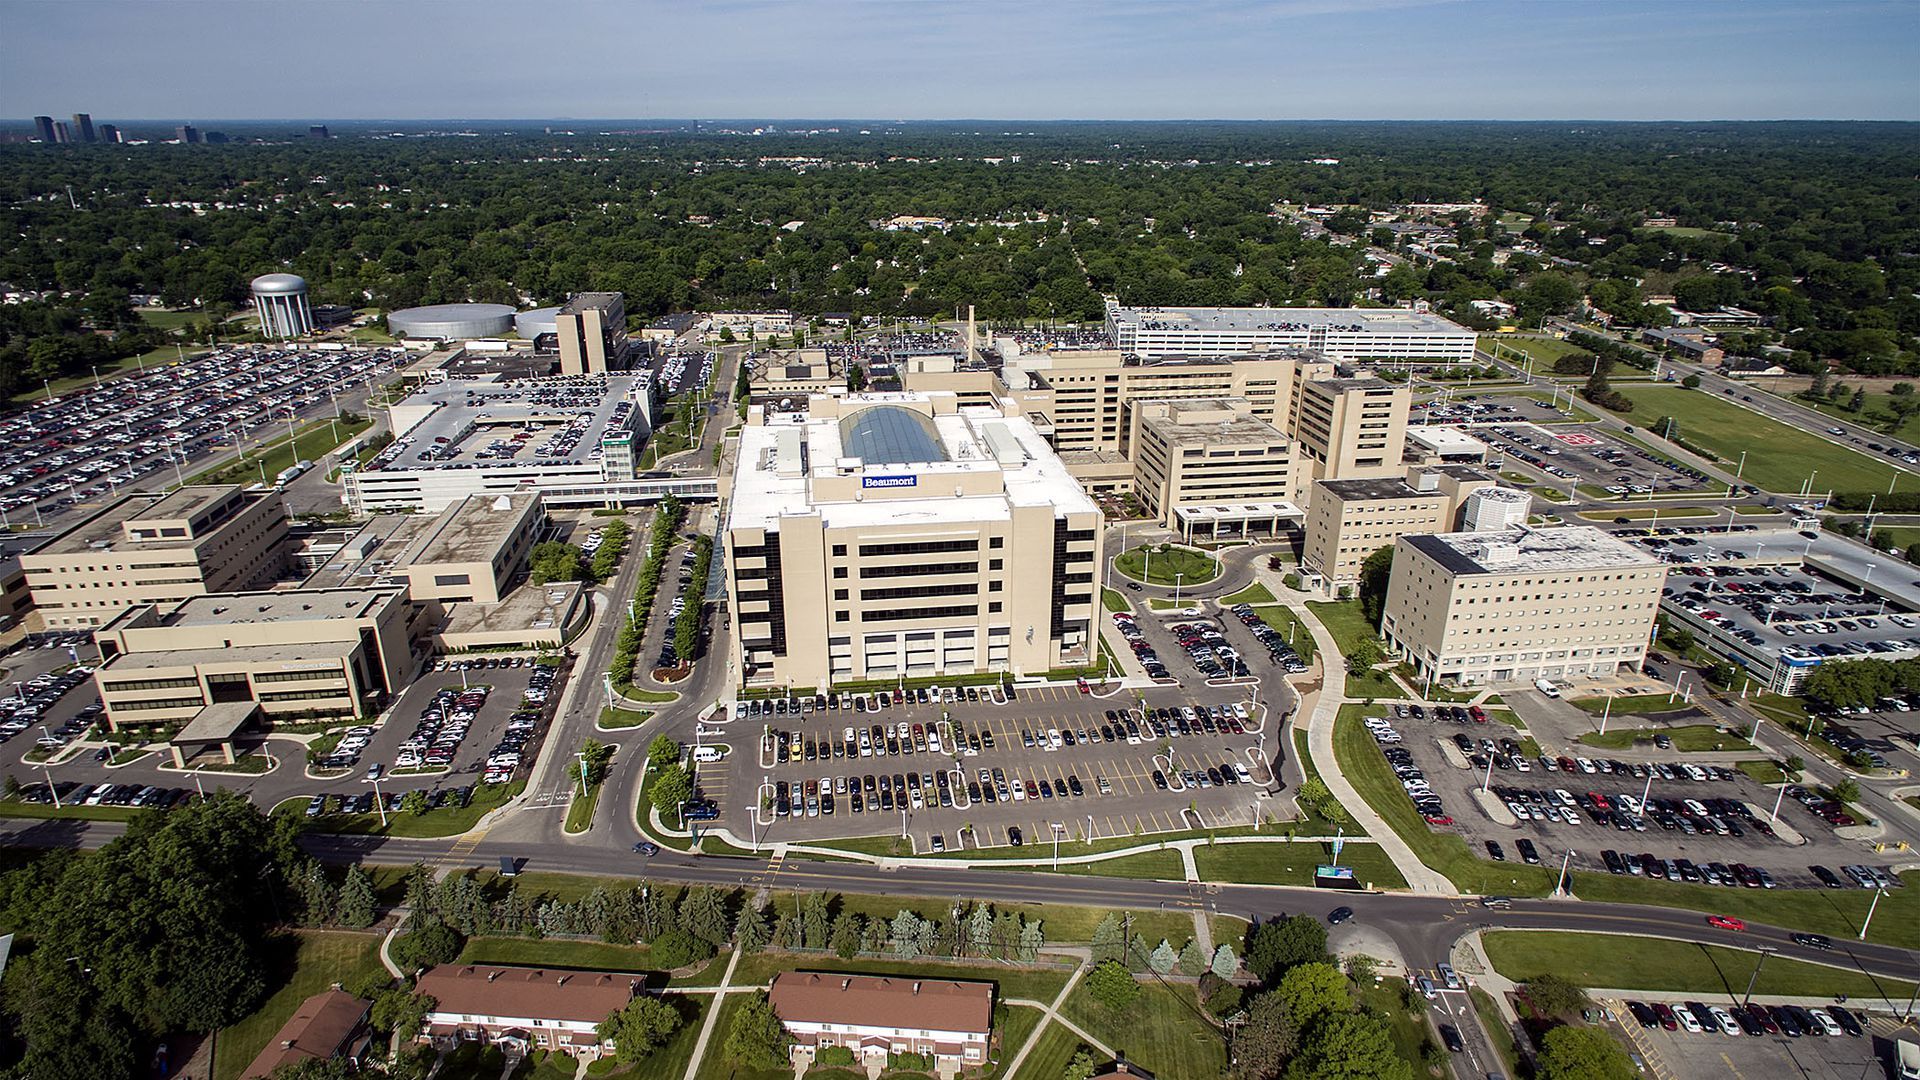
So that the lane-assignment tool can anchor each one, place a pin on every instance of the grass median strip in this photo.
(1623, 962)
(1688, 738)
(1292, 864)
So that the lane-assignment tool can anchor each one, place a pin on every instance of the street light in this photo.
(1560, 884)
(1877, 894)
(1765, 951)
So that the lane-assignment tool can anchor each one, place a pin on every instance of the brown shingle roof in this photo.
(528, 993)
(320, 1028)
(882, 1001)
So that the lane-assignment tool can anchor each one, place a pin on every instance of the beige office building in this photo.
(1522, 604)
(1209, 466)
(1349, 520)
(157, 549)
(306, 654)
(592, 330)
(1352, 429)
(474, 550)
(876, 536)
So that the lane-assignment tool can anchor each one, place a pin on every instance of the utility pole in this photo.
(1765, 951)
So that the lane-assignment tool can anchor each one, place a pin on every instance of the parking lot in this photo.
(1849, 1045)
(90, 443)
(1096, 766)
(1458, 405)
(678, 371)
(1588, 455)
(1642, 812)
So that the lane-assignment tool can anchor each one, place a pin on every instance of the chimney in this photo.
(916, 987)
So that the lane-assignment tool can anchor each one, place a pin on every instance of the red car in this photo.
(1726, 922)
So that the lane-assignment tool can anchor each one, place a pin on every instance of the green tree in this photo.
(401, 1012)
(1224, 963)
(414, 802)
(432, 942)
(1348, 1046)
(1364, 654)
(1193, 959)
(1582, 1053)
(703, 913)
(317, 1069)
(1375, 573)
(1691, 382)
(358, 905)
(1279, 945)
(1163, 958)
(1314, 990)
(1270, 1035)
(757, 1039)
(1112, 985)
(1847, 790)
(553, 560)
(846, 936)
(671, 787)
(1106, 943)
(750, 930)
(1081, 1067)
(643, 1026)
(1555, 995)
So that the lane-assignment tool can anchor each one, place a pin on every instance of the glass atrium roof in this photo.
(889, 433)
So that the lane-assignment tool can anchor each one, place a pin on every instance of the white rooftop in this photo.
(779, 460)
(1444, 440)
(1255, 319)
(1526, 550)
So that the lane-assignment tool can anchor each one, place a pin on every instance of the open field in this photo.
(1620, 962)
(1255, 593)
(1544, 350)
(1050, 1055)
(1779, 458)
(1292, 864)
(312, 961)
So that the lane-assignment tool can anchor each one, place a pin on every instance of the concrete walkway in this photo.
(1049, 1013)
(386, 955)
(1325, 709)
(712, 1018)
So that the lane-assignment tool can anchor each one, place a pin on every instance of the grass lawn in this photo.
(1349, 627)
(1292, 864)
(433, 823)
(1764, 772)
(623, 718)
(1688, 737)
(1255, 593)
(1281, 618)
(1638, 514)
(1779, 457)
(556, 952)
(14, 808)
(1050, 1055)
(1161, 1030)
(1497, 1029)
(314, 441)
(580, 810)
(1161, 567)
(636, 693)
(1308, 766)
(1113, 600)
(1618, 962)
(1543, 350)
(715, 1065)
(1835, 912)
(1407, 1026)
(1033, 983)
(311, 961)
(1632, 703)
(1360, 761)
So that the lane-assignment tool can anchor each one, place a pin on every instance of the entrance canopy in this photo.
(1210, 516)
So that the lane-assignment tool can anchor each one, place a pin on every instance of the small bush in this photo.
(833, 1055)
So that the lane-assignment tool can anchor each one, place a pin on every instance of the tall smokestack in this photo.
(970, 338)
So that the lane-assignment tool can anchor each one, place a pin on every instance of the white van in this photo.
(1546, 688)
(708, 754)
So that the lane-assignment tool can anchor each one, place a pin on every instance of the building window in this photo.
(839, 594)
(840, 550)
(840, 616)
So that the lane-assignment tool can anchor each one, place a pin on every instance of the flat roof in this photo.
(1444, 440)
(591, 301)
(1282, 319)
(103, 530)
(1525, 550)
(565, 417)
(471, 530)
(293, 657)
(1391, 487)
(1241, 427)
(217, 722)
(295, 605)
(529, 607)
(779, 457)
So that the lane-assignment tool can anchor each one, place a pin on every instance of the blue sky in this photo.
(919, 59)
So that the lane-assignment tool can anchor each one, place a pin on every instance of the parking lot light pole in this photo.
(51, 790)
(1877, 894)
(1177, 579)
(753, 817)
(378, 801)
(1765, 951)
(903, 823)
(1560, 884)
(1777, 799)
(581, 756)
(1058, 828)
(1605, 712)
(1488, 782)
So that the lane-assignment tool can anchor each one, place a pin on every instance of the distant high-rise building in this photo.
(187, 133)
(83, 126)
(62, 133)
(109, 133)
(317, 131)
(43, 126)
(216, 138)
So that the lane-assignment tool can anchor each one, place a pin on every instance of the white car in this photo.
(1687, 1019)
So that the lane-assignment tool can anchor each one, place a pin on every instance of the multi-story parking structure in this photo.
(1382, 335)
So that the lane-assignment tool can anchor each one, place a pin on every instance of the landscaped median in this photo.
(1353, 635)
(1631, 962)
(1166, 564)
(1688, 738)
